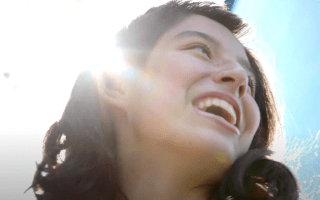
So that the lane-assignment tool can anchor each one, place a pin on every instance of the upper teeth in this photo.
(204, 104)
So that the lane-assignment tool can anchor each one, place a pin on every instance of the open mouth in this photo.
(219, 110)
(216, 110)
(219, 120)
(218, 107)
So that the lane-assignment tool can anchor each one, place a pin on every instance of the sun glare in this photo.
(114, 63)
(47, 44)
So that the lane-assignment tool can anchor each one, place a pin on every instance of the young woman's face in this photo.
(194, 94)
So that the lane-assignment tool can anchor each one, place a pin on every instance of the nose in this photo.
(233, 75)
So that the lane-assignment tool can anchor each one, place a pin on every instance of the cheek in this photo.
(177, 67)
(153, 107)
(250, 122)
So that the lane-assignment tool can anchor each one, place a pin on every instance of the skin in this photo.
(165, 150)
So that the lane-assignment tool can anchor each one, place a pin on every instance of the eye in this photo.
(202, 48)
(252, 84)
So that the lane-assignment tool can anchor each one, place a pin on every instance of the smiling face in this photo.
(194, 95)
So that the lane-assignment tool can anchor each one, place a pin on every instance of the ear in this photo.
(112, 91)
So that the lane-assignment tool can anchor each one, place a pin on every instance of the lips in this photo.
(222, 121)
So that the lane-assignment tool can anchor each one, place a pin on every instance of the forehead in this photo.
(221, 36)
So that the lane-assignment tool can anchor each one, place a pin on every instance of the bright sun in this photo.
(47, 44)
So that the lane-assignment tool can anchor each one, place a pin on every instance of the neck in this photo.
(150, 171)
(146, 178)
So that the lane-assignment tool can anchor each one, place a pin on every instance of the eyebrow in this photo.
(205, 36)
(243, 62)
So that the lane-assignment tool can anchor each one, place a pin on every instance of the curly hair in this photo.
(90, 169)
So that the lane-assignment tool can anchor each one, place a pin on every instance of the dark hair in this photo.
(90, 169)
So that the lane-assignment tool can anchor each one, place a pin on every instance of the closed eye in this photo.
(202, 48)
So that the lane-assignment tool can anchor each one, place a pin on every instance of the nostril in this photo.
(241, 90)
(228, 79)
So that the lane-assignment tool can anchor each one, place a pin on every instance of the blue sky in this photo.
(291, 30)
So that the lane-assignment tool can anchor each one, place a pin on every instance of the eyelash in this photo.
(204, 47)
